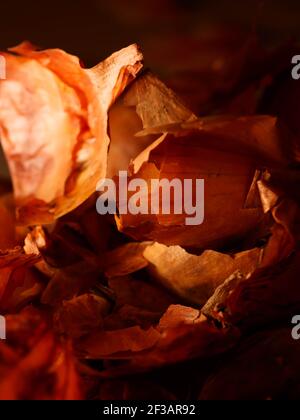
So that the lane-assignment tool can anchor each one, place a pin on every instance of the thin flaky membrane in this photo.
(146, 104)
(271, 292)
(53, 125)
(226, 153)
(193, 278)
(179, 336)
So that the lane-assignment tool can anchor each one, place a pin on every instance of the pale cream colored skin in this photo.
(53, 125)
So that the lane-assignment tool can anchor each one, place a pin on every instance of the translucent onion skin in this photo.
(226, 153)
(53, 126)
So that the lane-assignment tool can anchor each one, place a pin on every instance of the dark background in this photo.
(93, 29)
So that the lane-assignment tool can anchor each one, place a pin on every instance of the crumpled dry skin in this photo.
(146, 104)
(42, 369)
(17, 257)
(81, 315)
(285, 232)
(125, 342)
(270, 294)
(191, 277)
(261, 136)
(280, 199)
(24, 328)
(180, 335)
(53, 119)
(125, 259)
(66, 260)
(280, 246)
(142, 292)
(194, 278)
(138, 301)
(127, 316)
(18, 287)
(63, 247)
(118, 344)
(186, 342)
(216, 304)
(226, 153)
(265, 367)
(19, 283)
(69, 282)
